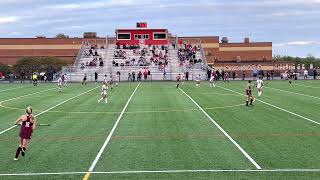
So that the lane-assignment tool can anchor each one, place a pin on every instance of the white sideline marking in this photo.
(274, 106)
(315, 97)
(166, 171)
(111, 132)
(306, 86)
(10, 89)
(48, 109)
(224, 132)
(26, 95)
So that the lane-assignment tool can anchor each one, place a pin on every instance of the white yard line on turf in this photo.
(224, 132)
(306, 95)
(166, 171)
(3, 90)
(316, 87)
(295, 114)
(104, 146)
(38, 92)
(50, 108)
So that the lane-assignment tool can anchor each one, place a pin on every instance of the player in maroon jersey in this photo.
(178, 78)
(249, 93)
(111, 83)
(28, 124)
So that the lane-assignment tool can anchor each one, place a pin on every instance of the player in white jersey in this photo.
(105, 80)
(259, 86)
(60, 84)
(198, 79)
(104, 93)
(65, 80)
(212, 78)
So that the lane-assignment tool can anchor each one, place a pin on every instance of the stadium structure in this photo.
(211, 52)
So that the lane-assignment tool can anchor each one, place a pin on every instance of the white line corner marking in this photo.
(104, 146)
(225, 133)
(47, 109)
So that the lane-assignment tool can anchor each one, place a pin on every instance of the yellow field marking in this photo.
(86, 177)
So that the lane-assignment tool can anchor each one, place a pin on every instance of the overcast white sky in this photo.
(292, 25)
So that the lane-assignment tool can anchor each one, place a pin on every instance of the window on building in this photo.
(124, 36)
(137, 36)
(141, 36)
(146, 36)
(159, 36)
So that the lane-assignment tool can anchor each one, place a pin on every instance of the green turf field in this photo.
(155, 131)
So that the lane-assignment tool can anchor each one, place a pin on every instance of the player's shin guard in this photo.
(251, 100)
(247, 103)
(18, 152)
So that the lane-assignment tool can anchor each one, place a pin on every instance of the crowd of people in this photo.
(139, 76)
(92, 52)
(187, 55)
(135, 55)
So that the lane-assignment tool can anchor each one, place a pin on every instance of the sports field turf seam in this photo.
(279, 108)
(104, 146)
(50, 108)
(224, 132)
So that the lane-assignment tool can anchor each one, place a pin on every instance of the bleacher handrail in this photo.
(203, 54)
(79, 54)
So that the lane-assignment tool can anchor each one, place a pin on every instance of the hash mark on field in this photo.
(104, 146)
(295, 114)
(47, 109)
(224, 132)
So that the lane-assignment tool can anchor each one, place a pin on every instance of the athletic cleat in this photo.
(15, 159)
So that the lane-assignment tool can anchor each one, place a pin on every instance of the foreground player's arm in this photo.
(34, 123)
(19, 120)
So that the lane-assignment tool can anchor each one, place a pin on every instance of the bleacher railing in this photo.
(79, 54)
(203, 55)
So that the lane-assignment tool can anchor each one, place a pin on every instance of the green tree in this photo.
(62, 36)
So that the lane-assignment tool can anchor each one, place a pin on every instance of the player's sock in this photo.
(100, 100)
(247, 103)
(23, 150)
(106, 101)
(18, 152)
(251, 100)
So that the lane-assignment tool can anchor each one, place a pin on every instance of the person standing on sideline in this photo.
(187, 76)
(95, 77)
(164, 74)
(305, 74)
(233, 75)
(243, 75)
(315, 73)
